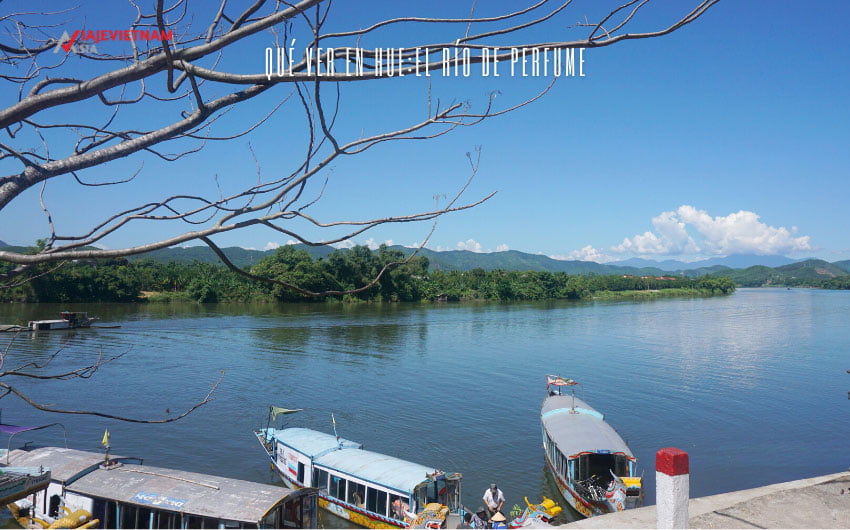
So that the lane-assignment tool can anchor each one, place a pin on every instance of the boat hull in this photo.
(578, 503)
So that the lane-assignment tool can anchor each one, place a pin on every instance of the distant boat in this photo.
(18, 482)
(369, 489)
(592, 465)
(66, 320)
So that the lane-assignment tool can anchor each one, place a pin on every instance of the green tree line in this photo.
(124, 281)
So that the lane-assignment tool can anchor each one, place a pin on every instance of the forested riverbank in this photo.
(146, 280)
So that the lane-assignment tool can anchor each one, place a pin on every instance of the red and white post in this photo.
(672, 488)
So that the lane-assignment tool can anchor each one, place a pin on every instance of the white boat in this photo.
(594, 469)
(66, 320)
(369, 489)
(18, 482)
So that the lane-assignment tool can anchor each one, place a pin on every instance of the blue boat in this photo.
(369, 489)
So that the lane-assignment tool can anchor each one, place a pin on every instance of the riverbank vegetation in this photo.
(123, 281)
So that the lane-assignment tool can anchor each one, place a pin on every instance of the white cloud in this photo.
(373, 245)
(587, 253)
(470, 244)
(344, 244)
(737, 233)
(291, 242)
(502, 248)
(271, 245)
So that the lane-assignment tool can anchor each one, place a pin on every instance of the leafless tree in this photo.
(179, 69)
(181, 87)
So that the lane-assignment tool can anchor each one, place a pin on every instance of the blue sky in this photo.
(731, 135)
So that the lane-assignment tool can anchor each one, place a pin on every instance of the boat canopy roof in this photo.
(583, 430)
(312, 443)
(65, 464)
(169, 489)
(377, 468)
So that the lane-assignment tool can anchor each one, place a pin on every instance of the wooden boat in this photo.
(123, 493)
(66, 320)
(593, 467)
(369, 489)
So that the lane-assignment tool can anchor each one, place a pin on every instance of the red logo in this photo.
(67, 45)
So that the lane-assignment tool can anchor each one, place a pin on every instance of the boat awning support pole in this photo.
(672, 488)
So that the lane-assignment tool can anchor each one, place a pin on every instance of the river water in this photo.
(753, 385)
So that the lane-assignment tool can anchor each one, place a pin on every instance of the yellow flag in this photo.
(105, 441)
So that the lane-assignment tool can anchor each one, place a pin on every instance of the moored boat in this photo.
(66, 320)
(594, 469)
(369, 489)
(85, 490)
(18, 482)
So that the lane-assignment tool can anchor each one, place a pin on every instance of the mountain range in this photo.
(745, 269)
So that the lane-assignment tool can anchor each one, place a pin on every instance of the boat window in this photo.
(98, 510)
(143, 519)
(320, 479)
(357, 494)
(337, 487)
(163, 519)
(108, 520)
(451, 497)
(621, 468)
(272, 519)
(397, 509)
(376, 501)
(129, 516)
(293, 516)
(600, 465)
(301, 472)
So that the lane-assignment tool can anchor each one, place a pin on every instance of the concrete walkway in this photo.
(819, 502)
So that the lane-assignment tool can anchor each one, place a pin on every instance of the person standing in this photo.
(493, 500)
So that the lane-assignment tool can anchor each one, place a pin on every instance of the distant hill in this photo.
(794, 274)
(811, 269)
(520, 261)
(843, 265)
(240, 257)
(734, 261)
(446, 260)
(3, 244)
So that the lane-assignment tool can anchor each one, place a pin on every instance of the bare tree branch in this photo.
(155, 70)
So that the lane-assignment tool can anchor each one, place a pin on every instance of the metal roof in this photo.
(578, 429)
(374, 467)
(65, 464)
(167, 489)
(312, 443)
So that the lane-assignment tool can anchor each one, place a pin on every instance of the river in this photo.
(752, 385)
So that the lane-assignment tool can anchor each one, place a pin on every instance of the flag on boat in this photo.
(277, 411)
(557, 380)
(105, 441)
